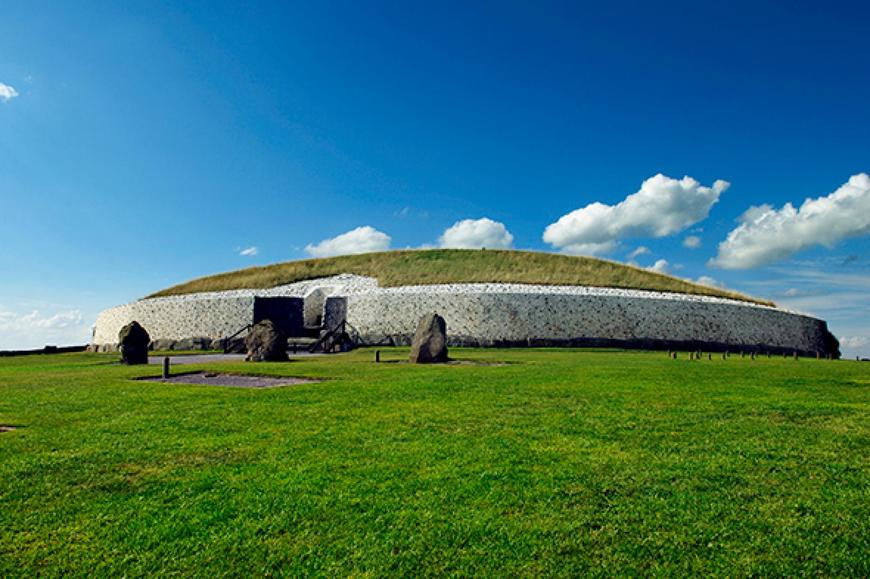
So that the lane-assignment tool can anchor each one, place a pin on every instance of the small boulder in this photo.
(133, 343)
(266, 343)
(217, 344)
(430, 341)
(162, 344)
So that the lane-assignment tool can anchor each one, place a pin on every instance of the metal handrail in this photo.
(355, 336)
(337, 330)
(226, 341)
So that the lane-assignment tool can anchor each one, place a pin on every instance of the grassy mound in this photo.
(437, 266)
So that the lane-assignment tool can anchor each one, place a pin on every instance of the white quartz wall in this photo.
(484, 314)
(176, 319)
(518, 317)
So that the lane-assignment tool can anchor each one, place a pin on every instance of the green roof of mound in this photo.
(435, 266)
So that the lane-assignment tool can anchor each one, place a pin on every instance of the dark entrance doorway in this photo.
(285, 313)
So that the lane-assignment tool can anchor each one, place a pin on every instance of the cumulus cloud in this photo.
(7, 92)
(638, 252)
(477, 233)
(660, 266)
(709, 281)
(56, 322)
(34, 330)
(249, 251)
(854, 342)
(663, 206)
(766, 234)
(360, 240)
(692, 242)
(589, 248)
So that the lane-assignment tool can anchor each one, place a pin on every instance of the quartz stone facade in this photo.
(491, 315)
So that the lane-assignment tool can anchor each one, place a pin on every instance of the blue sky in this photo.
(143, 144)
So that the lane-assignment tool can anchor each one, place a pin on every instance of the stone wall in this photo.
(175, 319)
(492, 315)
(560, 319)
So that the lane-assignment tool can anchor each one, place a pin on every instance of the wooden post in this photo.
(166, 368)
(377, 356)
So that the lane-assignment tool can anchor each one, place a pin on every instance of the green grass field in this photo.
(558, 462)
(437, 266)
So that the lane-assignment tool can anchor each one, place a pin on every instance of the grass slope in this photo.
(435, 266)
(563, 463)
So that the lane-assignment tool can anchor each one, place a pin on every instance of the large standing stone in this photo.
(266, 343)
(430, 341)
(133, 343)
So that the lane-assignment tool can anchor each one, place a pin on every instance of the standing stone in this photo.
(430, 341)
(266, 343)
(133, 343)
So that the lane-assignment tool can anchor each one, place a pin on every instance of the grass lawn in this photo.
(560, 462)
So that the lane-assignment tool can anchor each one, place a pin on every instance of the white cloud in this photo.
(34, 330)
(692, 242)
(249, 251)
(660, 266)
(766, 234)
(360, 240)
(663, 206)
(638, 252)
(589, 248)
(7, 92)
(822, 289)
(477, 233)
(854, 342)
(57, 321)
(709, 281)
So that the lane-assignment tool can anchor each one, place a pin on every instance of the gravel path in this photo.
(208, 358)
(233, 380)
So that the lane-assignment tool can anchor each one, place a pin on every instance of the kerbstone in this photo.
(266, 343)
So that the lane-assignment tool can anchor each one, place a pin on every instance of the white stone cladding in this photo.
(516, 317)
(173, 319)
(487, 314)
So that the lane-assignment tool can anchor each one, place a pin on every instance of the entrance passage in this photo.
(285, 313)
